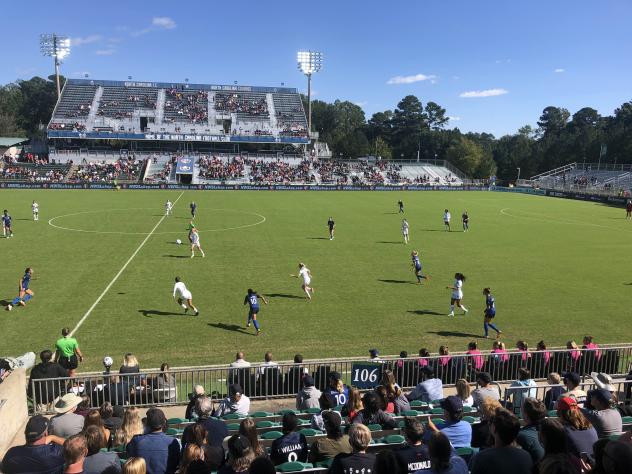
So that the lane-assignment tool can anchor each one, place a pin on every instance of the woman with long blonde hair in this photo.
(132, 425)
(248, 428)
(135, 466)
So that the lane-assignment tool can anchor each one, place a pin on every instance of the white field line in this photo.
(116, 277)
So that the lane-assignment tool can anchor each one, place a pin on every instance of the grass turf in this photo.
(559, 269)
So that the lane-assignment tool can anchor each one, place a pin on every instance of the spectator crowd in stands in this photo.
(191, 106)
(240, 103)
(101, 172)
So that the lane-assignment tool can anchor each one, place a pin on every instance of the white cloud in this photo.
(80, 41)
(157, 23)
(454, 118)
(163, 22)
(559, 69)
(411, 79)
(105, 52)
(361, 103)
(483, 93)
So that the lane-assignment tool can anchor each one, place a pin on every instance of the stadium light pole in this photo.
(57, 47)
(309, 62)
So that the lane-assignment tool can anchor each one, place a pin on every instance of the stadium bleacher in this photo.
(587, 177)
(34, 173)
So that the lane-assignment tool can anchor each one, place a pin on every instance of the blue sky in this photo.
(494, 65)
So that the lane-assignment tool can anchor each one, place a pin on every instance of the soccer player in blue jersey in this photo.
(417, 267)
(7, 231)
(490, 313)
(24, 293)
(252, 300)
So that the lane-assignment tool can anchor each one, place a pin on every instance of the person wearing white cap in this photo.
(67, 423)
(603, 381)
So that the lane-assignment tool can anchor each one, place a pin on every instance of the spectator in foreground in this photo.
(161, 452)
(190, 413)
(353, 405)
(135, 466)
(617, 457)
(68, 353)
(262, 465)
(442, 458)
(67, 423)
(334, 443)
(373, 414)
(240, 456)
(394, 394)
(533, 412)
(112, 418)
(248, 428)
(430, 388)
(485, 389)
(41, 453)
(337, 389)
(464, 392)
(359, 460)
(481, 435)
(579, 432)
(216, 430)
(556, 454)
(414, 456)
(572, 381)
(308, 396)
(504, 457)
(327, 402)
(292, 446)
(75, 452)
(93, 418)
(387, 463)
(132, 425)
(46, 393)
(459, 432)
(236, 402)
(599, 411)
(97, 461)
(551, 396)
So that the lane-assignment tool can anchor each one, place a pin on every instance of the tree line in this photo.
(412, 129)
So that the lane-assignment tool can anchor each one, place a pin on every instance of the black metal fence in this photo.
(285, 379)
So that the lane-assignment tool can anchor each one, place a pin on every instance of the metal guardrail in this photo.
(151, 387)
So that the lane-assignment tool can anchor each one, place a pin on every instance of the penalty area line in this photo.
(120, 272)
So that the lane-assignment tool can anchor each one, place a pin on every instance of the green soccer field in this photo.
(559, 269)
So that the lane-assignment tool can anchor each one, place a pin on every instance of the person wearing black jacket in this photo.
(46, 392)
(216, 430)
(359, 460)
(290, 447)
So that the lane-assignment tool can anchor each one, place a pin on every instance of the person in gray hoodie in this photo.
(430, 388)
(308, 396)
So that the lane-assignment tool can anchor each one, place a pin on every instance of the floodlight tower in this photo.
(309, 62)
(57, 47)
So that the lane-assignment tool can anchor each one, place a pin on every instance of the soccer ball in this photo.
(178, 241)
(107, 361)
(9, 307)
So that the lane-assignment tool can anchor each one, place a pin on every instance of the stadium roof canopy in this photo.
(11, 141)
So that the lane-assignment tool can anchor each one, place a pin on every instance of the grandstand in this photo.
(595, 178)
(131, 110)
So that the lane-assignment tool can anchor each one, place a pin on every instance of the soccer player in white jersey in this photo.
(457, 293)
(35, 209)
(195, 243)
(183, 296)
(446, 219)
(405, 228)
(168, 207)
(306, 275)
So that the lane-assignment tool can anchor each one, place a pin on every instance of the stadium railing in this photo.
(152, 387)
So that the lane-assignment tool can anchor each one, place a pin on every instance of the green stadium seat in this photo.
(626, 420)
(401, 423)
(287, 410)
(293, 466)
(374, 427)
(394, 439)
(176, 421)
(271, 435)
(468, 409)
(314, 411)
(418, 404)
(410, 413)
(260, 414)
(338, 408)
(302, 421)
(310, 432)
(436, 411)
(265, 424)
(435, 403)
(469, 419)
(326, 464)
(464, 451)
(614, 437)
(118, 449)
(438, 420)
(552, 414)
(232, 426)
(232, 416)
(173, 432)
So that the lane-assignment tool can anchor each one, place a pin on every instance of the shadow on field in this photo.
(393, 212)
(317, 238)
(628, 284)
(230, 327)
(5, 303)
(388, 242)
(148, 313)
(178, 256)
(453, 334)
(401, 282)
(435, 230)
(283, 295)
(425, 311)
